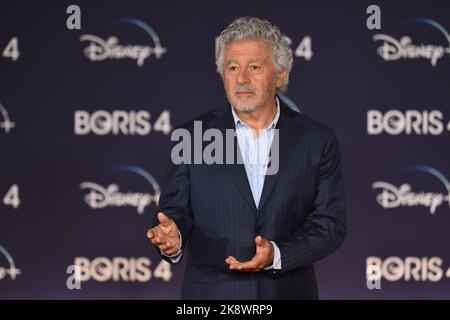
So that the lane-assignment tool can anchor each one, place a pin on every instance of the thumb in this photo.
(259, 240)
(163, 219)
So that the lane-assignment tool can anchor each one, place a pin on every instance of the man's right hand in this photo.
(165, 235)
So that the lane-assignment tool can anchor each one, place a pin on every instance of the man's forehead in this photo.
(248, 44)
(255, 50)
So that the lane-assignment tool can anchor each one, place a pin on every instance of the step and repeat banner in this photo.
(90, 92)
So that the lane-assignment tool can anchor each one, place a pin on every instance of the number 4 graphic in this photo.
(12, 197)
(12, 49)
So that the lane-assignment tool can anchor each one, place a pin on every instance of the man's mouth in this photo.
(244, 93)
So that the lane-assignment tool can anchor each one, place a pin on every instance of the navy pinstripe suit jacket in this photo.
(302, 209)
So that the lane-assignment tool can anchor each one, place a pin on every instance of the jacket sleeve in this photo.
(324, 229)
(174, 201)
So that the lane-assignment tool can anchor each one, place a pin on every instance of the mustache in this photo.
(245, 88)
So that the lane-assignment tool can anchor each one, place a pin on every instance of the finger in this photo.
(151, 233)
(166, 246)
(162, 248)
(159, 240)
(231, 260)
(252, 264)
(235, 265)
(259, 240)
(163, 219)
(242, 267)
(171, 251)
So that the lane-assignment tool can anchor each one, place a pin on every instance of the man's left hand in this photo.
(263, 257)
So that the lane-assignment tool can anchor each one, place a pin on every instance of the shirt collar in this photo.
(272, 125)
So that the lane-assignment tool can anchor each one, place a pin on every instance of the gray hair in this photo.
(252, 28)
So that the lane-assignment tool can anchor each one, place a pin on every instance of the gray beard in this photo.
(245, 109)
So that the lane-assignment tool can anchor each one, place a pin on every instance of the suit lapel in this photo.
(237, 171)
(284, 127)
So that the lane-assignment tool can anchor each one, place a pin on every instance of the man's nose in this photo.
(243, 77)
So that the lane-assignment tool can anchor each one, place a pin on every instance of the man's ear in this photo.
(281, 77)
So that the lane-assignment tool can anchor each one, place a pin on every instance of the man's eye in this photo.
(232, 68)
(255, 68)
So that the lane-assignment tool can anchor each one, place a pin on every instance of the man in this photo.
(248, 233)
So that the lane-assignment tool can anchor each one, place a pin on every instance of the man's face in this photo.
(249, 75)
